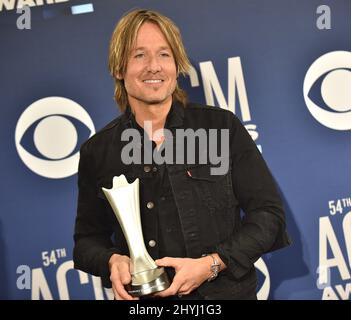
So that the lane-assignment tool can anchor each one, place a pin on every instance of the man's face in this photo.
(151, 74)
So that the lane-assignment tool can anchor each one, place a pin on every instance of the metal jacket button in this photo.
(152, 243)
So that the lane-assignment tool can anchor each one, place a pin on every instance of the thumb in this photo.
(166, 262)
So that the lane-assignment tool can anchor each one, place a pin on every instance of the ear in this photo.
(118, 76)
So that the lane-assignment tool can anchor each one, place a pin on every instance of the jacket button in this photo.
(163, 198)
(150, 205)
(154, 169)
(147, 169)
(152, 243)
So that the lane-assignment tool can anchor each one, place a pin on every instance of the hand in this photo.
(190, 274)
(120, 276)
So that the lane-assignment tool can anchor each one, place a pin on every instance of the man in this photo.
(190, 217)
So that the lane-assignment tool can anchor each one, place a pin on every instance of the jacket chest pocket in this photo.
(215, 190)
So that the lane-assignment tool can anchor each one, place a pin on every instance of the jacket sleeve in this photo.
(92, 235)
(262, 227)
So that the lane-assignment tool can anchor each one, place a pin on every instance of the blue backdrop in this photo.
(282, 66)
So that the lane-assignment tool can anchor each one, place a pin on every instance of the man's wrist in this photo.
(215, 266)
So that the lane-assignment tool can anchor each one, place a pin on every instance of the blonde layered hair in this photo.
(123, 40)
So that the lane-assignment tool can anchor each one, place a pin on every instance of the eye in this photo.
(165, 54)
(52, 129)
(326, 90)
(139, 55)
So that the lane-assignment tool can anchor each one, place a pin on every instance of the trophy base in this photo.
(160, 283)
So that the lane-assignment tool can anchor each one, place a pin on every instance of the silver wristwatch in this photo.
(215, 267)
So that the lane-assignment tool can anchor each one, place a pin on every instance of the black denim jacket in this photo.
(208, 205)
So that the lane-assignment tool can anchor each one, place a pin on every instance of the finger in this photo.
(184, 292)
(124, 273)
(116, 295)
(184, 289)
(121, 291)
(167, 262)
(125, 278)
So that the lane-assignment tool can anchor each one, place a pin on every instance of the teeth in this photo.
(152, 81)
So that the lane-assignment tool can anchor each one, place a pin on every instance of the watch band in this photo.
(215, 267)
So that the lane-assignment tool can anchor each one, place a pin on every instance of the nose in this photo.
(153, 65)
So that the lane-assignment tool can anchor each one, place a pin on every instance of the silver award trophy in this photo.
(147, 277)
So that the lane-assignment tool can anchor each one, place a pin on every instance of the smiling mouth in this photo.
(153, 81)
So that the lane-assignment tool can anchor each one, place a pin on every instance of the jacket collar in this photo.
(175, 117)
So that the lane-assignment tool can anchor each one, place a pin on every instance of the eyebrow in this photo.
(143, 48)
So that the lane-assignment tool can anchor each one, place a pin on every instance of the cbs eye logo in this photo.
(335, 89)
(55, 136)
